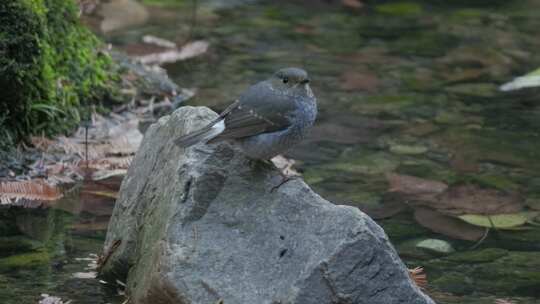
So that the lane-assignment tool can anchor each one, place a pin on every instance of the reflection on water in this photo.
(41, 251)
(406, 89)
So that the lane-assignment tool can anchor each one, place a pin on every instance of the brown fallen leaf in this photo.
(419, 277)
(471, 199)
(385, 210)
(356, 4)
(359, 81)
(447, 225)
(41, 142)
(190, 50)
(414, 187)
(36, 190)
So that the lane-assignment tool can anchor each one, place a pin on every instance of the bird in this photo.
(267, 119)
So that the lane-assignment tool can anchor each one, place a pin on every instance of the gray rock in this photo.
(203, 226)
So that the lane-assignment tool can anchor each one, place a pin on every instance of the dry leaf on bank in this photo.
(419, 277)
(36, 190)
(189, 50)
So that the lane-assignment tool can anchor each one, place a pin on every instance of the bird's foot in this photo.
(285, 179)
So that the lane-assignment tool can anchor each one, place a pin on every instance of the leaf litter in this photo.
(100, 153)
(461, 211)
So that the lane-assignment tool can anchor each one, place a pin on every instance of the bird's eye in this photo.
(285, 79)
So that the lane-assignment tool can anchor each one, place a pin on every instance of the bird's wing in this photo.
(207, 132)
(259, 110)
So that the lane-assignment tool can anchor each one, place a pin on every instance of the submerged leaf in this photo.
(471, 199)
(418, 188)
(529, 80)
(47, 299)
(447, 225)
(408, 149)
(435, 245)
(499, 221)
(85, 275)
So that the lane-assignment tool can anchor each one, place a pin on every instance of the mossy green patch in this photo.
(402, 229)
(168, 2)
(385, 103)
(492, 270)
(473, 90)
(498, 181)
(12, 244)
(25, 260)
(478, 256)
(50, 67)
(399, 8)
(425, 44)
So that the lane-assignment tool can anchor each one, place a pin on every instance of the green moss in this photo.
(399, 8)
(454, 282)
(492, 270)
(402, 229)
(425, 44)
(50, 67)
(20, 243)
(25, 260)
(473, 90)
(499, 181)
(385, 103)
(167, 2)
(480, 256)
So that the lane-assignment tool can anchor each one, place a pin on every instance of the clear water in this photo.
(409, 88)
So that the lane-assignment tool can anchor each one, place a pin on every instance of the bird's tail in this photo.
(203, 135)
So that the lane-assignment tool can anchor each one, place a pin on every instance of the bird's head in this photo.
(292, 80)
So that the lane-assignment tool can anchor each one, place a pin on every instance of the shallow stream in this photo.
(404, 89)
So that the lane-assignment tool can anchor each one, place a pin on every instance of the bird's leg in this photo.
(285, 178)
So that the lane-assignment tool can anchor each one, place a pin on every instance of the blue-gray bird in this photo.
(268, 118)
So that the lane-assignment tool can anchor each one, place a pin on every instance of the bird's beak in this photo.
(305, 81)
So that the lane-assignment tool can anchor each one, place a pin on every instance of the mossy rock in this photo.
(50, 67)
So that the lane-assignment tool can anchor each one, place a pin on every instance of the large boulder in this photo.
(203, 225)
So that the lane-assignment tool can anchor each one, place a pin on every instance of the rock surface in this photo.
(203, 226)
